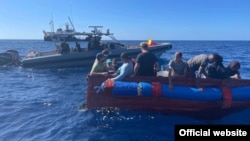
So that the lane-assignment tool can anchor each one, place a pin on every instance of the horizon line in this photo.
(156, 39)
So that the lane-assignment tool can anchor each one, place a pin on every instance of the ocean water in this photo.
(47, 104)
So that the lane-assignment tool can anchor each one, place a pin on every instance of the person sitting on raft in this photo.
(99, 68)
(126, 69)
(177, 68)
(232, 70)
(146, 62)
(110, 66)
(105, 54)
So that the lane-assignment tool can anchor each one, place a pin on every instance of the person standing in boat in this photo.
(65, 47)
(146, 62)
(99, 68)
(78, 47)
(198, 64)
(126, 69)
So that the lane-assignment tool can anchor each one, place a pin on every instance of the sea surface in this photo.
(46, 104)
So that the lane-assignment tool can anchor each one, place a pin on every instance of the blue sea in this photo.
(46, 104)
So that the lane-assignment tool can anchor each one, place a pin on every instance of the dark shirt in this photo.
(230, 72)
(65, 48)
(146, 61)
(216, 71)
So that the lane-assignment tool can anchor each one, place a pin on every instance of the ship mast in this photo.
(51, 24)
(71, 24)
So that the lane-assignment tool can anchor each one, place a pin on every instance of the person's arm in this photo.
(118, 71)
(156, 66)
(136, 68)
(199, 77)
(201, 71)
(236, 76)
(99, 74)
(170, 72)
(93, 68)
(123, 73)
(137, 64)
(170, 85)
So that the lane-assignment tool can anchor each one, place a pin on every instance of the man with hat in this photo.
(99, 68)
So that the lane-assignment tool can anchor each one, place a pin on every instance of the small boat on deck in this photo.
(79, 56)
(217, 98)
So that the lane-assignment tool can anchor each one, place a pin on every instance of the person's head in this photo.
(124, 56)
(144, 46)
(105, 52)
(215, 58)
(234, 65)
(178, 56)
(210, 58)
(109, 62)
(100, 57)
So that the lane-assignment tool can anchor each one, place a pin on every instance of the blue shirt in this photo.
(125, 70)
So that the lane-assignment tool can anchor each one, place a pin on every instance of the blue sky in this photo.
(130, 19)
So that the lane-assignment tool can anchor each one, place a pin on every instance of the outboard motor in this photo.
(5, 58)
(15, 57)
(10, 57)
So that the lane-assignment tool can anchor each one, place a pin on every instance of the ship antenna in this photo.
(51, 24)
(71, 23)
